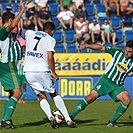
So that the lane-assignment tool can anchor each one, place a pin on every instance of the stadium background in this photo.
(76, 77)
(80, 70)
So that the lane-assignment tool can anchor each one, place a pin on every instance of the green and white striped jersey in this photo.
(11, 50)
(20, 66)
(3, 33)
(119, 66)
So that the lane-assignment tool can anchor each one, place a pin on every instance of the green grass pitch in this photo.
(29, 118)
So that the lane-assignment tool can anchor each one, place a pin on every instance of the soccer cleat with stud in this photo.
(112, 124)
(53, 123)
(7, 124)
(71, 124)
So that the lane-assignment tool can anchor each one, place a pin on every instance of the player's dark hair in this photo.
(48, 26)
(129, 44)
(6, 16)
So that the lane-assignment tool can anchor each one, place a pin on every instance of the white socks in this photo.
(46, 108)
(61, 106)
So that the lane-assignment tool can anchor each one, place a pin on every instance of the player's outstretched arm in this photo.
(16, 19)
(91, 46)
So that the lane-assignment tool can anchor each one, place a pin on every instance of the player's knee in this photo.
(92, 96)
(53, 95)
(126, 101)
(17, 93)
(41, 96)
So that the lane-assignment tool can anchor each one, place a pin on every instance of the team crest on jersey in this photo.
(122, 67)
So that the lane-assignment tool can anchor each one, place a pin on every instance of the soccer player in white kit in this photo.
(40, 72)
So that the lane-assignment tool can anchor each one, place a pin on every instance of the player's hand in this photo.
(56, 77)
(83, 46)
(21, 6)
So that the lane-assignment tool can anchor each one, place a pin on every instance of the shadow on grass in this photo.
(81, 122)
(30, 124)
(63, 124)
(78, 121)
(126, 123)
(90, 122)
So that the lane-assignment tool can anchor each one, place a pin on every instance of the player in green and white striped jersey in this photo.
(5, 30)
(11, 52)
(112, 80)
(20, 67)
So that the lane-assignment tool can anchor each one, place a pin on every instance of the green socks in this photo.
(4, 108)
(10, 107)
(80, 106)
(23, 94)
(119, 112)
(83, 103)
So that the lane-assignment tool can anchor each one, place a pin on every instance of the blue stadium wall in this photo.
(76, 80)
(70, 89)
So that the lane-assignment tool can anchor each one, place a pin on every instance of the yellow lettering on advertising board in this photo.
(3, 93)
(71, 89)
(81, 64)
(74, 88)
(79, 88)
(63, 87)
(87, 88)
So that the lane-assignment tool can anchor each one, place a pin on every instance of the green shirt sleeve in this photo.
(3, 34)
(111, 50)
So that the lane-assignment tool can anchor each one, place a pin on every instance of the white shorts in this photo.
(40, 82)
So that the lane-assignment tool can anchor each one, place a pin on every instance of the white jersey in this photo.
(94, 27)
(65, 15)
(78, 2)
(41, 2)
(38, 43)
(83, 29)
